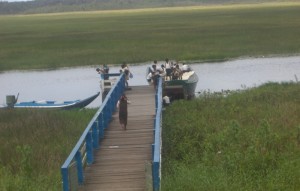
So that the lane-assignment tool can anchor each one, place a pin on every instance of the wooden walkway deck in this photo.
(120, 162)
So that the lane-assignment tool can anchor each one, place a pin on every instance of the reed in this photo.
(247, 140)
(184, 33)
(34, 144)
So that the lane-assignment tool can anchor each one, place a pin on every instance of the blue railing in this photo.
(82, 154)
(156, 163)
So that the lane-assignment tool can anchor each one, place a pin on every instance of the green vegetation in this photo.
(52, 6)
(182, 33)
(247, 140)
(34, 144)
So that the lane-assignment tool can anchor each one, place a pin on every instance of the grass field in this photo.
(34, 144)
(184, 33)
(245, 141)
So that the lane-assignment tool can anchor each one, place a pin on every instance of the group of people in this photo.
(124, 69)
(168, 70)
(173, 71)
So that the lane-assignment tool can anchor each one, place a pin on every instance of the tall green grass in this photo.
(184, 33)
(34, 144)
(245, 141)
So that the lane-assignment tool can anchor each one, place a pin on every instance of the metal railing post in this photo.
(65, 177)
(89, 148)
(104, 117)
(92, 135)
(156, 179)
(153, 146)
(95, 135)
(79, 167)
(101, 127)
(156, 102)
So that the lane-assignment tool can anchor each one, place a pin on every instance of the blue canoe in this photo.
(56, 105)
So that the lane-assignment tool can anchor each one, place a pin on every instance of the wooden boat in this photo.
(183, 88)
(54, 104)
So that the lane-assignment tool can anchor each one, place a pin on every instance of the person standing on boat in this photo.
(185, 68)
(162, 72)
(168, 68)
(123, 111)
(177, 74)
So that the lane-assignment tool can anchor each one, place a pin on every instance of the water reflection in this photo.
(82, 82)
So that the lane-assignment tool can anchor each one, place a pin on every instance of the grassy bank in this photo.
(246, 141)
(111, 37)
(34, 144)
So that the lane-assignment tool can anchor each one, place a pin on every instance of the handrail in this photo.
(156, 164)
(90, 137)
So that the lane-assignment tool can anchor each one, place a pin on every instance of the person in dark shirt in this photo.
(123, 112)
(103, 71)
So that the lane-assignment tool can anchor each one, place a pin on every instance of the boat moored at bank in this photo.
(179, 84)
(183, 88)
(47, 104)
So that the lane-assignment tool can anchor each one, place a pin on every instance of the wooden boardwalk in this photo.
(119, 164)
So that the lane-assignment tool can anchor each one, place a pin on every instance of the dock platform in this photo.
(120, 163)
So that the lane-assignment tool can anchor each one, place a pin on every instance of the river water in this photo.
(82, 82)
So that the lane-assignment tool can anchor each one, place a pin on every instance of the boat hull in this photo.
(183, 88)
(53, 105)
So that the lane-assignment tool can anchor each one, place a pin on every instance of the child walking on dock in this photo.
(123, 111)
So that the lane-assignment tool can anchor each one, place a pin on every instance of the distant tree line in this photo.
(50, 6)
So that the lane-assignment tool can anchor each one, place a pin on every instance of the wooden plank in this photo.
(120, 162)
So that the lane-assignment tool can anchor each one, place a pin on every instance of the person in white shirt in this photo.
(168, 68)
(166, 100)
(125, 70)
(153, 67)
(162, 71)
(149, 77)
(185, 68)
